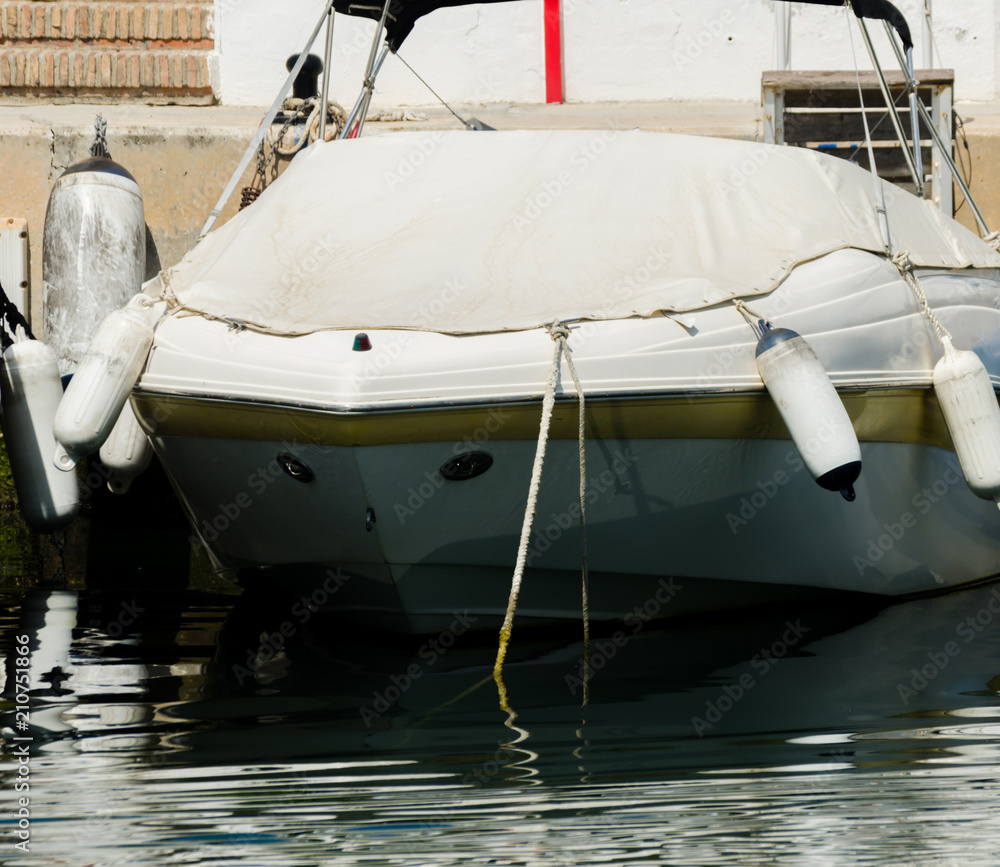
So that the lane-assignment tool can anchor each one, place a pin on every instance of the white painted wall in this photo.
(613, 49)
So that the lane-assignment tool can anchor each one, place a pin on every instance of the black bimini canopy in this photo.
(881, 9)
(403, 14)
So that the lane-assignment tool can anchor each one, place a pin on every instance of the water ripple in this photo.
(149, 750)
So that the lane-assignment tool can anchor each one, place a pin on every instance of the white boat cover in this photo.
(471, 232)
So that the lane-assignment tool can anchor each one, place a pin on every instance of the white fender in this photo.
(31, 391)
(970, 409)
(127, 451)
(811, 408)
(99, 389)
(93, 253)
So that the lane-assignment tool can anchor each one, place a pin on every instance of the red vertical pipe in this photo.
(553, 52)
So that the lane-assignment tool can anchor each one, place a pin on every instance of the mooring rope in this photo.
(559, 332)
(757, 321)
(902, 262)
(585, 579)
(310, 109)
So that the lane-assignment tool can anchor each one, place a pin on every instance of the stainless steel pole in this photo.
(926, 37)
(327, 60)
(911, 86)
(371, 72)
(943, 148)
(263, 128)
(891, 106)
(945, 153)
(782, 37)
(360, 110)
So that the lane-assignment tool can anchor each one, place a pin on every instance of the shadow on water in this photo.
(135, 541)
(172, 724)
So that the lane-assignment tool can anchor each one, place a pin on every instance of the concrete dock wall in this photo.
(180, 158)
(183, 156)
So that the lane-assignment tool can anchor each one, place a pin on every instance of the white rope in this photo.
(559, 333)
(292, 138)
(548, 402)
(757, 321)
(585, 592)
(902, 261)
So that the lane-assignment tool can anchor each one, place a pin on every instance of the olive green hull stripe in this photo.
(900, 415)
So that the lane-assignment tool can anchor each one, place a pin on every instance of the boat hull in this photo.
(729, 519)
(691, 474)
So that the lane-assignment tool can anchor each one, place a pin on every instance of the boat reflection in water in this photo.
(207, 730)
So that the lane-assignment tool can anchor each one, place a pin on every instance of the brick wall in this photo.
(106, 51)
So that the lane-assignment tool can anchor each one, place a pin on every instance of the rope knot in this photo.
(760, 324)
(558, 330)
(902, 261)
(993, 239)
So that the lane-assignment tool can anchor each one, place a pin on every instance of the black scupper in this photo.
(402, 15)
(879, 9)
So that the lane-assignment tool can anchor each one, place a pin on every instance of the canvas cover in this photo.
(472, 232)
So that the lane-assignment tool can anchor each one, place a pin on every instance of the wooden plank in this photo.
(819, 99)
(837, 79)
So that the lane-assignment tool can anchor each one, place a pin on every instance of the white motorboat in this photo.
(351, 374)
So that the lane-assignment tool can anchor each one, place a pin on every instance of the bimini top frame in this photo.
(396, 18)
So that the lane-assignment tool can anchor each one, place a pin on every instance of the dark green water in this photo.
(171, 725)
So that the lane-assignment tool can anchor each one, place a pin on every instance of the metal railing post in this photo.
(264, 127)
(891, 108)
(327, 60)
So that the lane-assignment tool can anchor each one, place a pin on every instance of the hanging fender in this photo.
(126, 453)
(98, 391)
(93, 253)
(31, 391)
(969, 405)
(811, 409)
